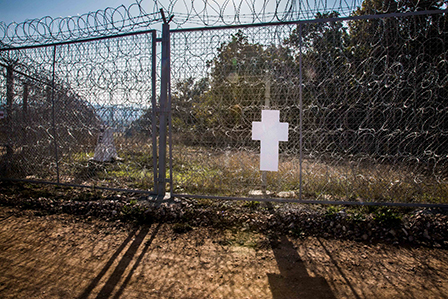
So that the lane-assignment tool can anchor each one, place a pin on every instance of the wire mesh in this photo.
(362, 85)
(65, 99)
(374, 97)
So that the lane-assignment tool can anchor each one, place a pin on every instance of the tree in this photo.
(185, 105)
(323, 57)
(223, 107)
(408, 42)
(401, 63)
(326, 80)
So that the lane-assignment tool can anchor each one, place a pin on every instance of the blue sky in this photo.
(21, 10)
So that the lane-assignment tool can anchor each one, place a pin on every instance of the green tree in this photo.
(400, 66)
(186, 99)
(380, 45)
(240, 75)
(324, 58)
(326, 80)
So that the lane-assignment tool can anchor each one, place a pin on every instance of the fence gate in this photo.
(85, 113)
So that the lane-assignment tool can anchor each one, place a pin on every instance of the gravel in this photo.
(410, 227)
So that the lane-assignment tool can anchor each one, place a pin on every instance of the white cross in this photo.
(270, 131)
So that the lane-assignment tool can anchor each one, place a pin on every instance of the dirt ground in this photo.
(60, 256)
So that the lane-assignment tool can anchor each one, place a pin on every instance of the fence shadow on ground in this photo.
(120, 269)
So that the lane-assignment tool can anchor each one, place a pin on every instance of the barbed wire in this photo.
(134, 17)
(109, 21)
(185, 14)
(374, 93)
(57, 99)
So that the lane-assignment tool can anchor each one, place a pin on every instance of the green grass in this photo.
(133, 170)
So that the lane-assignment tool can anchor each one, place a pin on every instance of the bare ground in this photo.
(62, 256)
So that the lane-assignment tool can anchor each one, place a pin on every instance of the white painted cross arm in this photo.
(270, 131)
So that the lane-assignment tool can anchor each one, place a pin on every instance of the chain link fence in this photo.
(362, 85)
(79, 113)
(365, 100)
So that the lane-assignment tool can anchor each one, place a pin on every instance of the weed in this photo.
(332, 211)
(251, 204)
(204, 202)
(135, 213)
(358, 216)
(235, 172)
(387, 216)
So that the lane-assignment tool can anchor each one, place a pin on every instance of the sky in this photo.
(21, 10)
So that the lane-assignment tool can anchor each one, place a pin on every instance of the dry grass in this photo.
(236, 173)
(199, 170)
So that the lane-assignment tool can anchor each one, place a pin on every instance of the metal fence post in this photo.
(164, 108)
(25, 113)
(267, 106)
(9, 108)
(154, 107)
(53, 114)
(301, 111)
